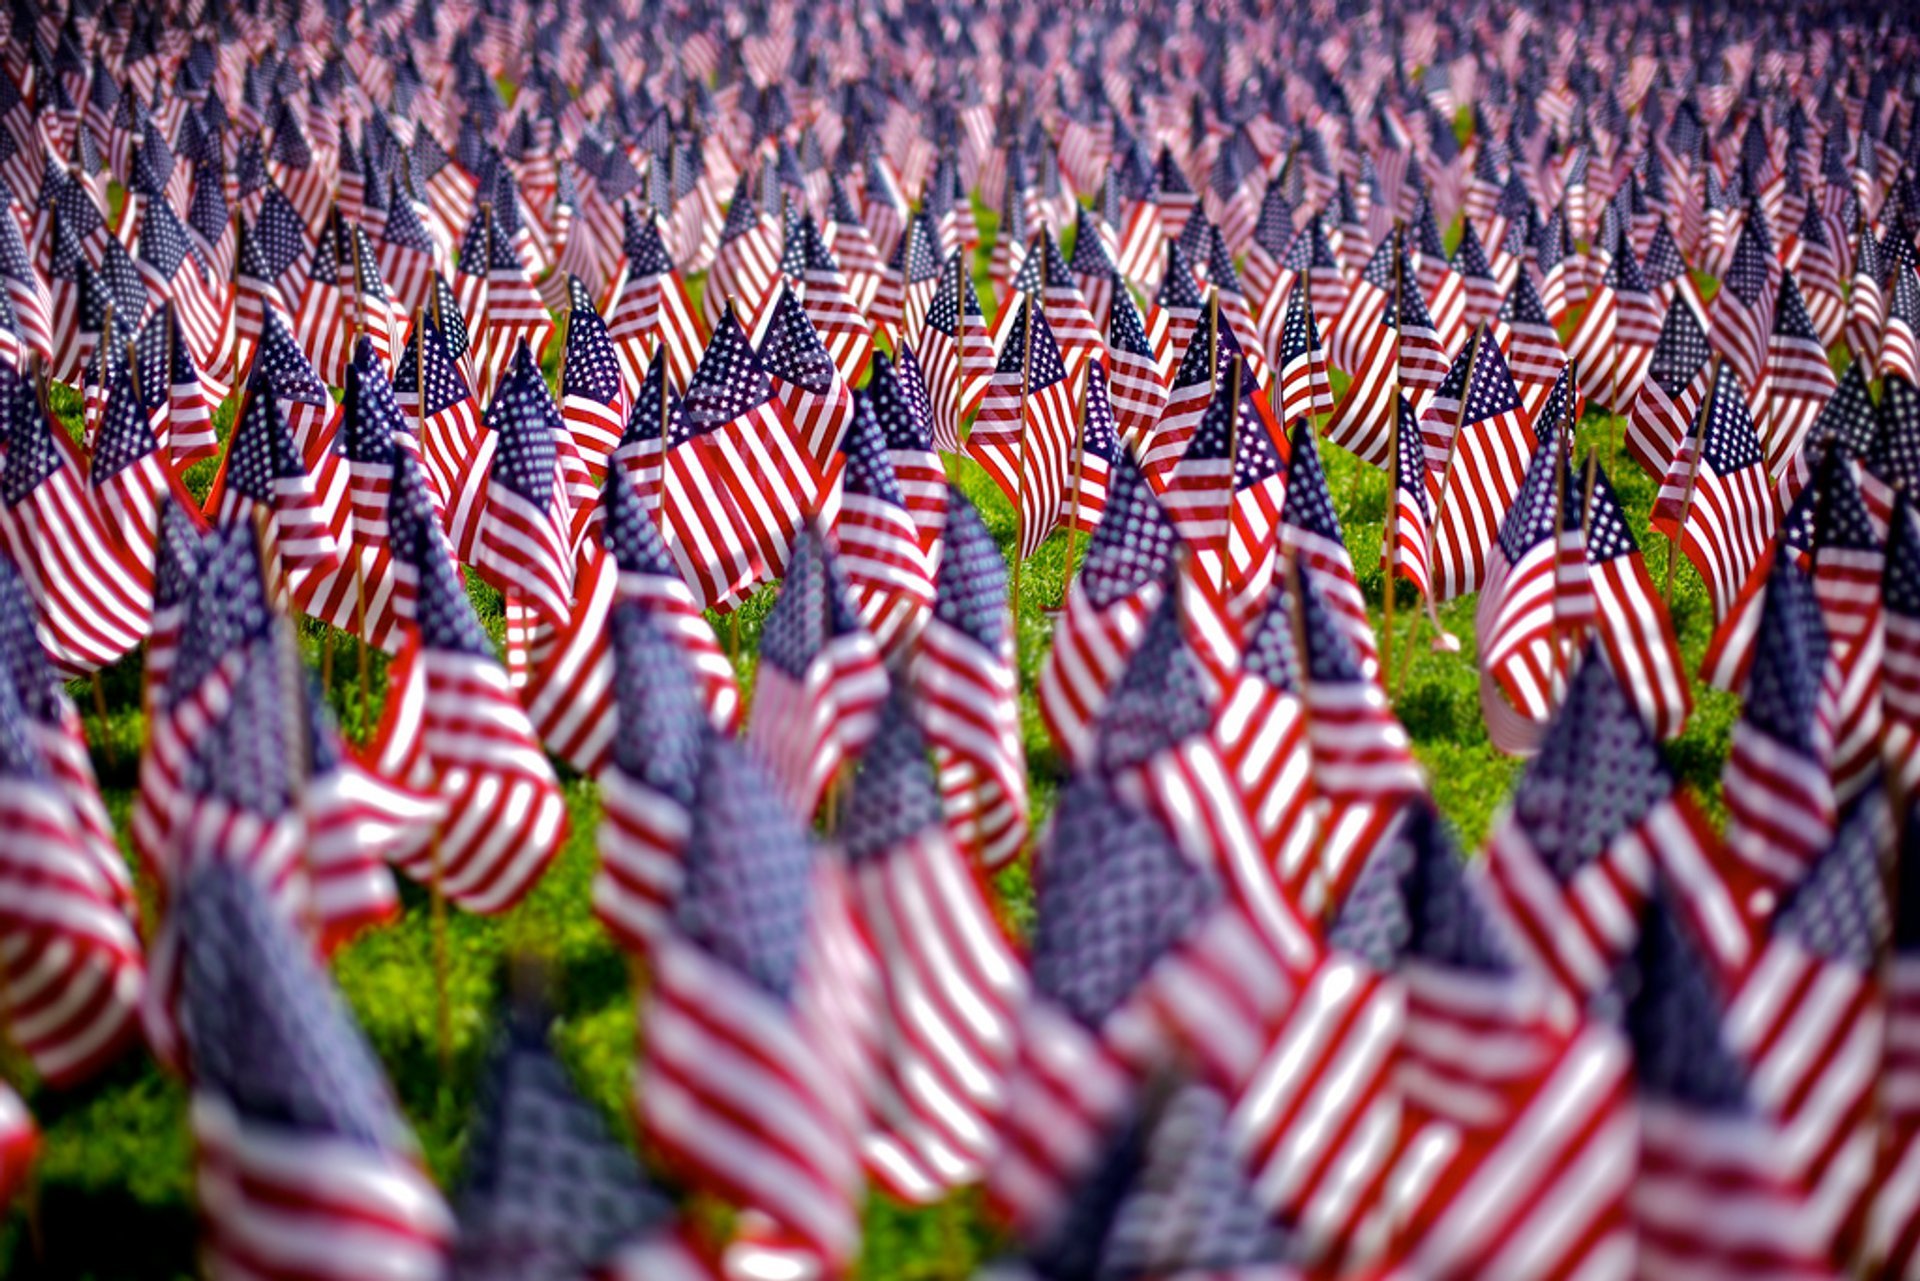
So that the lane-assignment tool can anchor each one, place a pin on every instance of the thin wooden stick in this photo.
(1233, 453)
(1020, 487)
(1393, 482)
(1693, 477)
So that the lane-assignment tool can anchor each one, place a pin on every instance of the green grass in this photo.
(115, 1182)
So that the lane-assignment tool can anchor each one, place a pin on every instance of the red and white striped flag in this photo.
(967, 689)
(648, 308)
(523, 546)
(834, 306)
(1799, 381)
(956, 355)
(889, 572)
(1714, 500)
(1136, 378)
(1482, 464)
(1742, 313)
(806, 382)
(1305, 391)
(1024, 434)
(456, 448)
(820, 682)
(952, 984)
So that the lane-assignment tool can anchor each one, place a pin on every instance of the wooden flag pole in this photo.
(1233, 454)
(1480, 338)
(1693, 478)
(1020, 487)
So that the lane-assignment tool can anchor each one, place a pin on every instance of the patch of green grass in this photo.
(117, 1151)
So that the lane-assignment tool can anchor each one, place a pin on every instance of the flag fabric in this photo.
(967, 689)
(1780, 807)
(456, 449)
(1799, 381)
(1136, 377)
(1678, 374)
(1100, 446)
(68, 926)
(545, 1187)
(523, 545)
(889, 574)
(952, 983)
(1596, 821)
(454, 729)
(820, 682)
(648, 308)
(1310, 530)
(1714, 499)
(808, 385)
(1024, 433)
(569, 692)
(1304, 389)
(1635, 630)
(736, 1082)
(90, 588)
(899, 395)
(1119, 584)
(1741, 316)
(1893, 1221)
(301, 1158)
(594, 402)
(833, 304)
(956, 355)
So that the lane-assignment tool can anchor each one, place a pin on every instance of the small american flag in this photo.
(907, 286)
(1635, 630)
(817, 400)
(127, 474)
(1742, 315)
(173, 275)
(1136, 376)
(1209, 354)
(1893, 1230)
(1531, 345)
(889, 573)
(1484, 462)
(956, 355)
(648, 308)
(1900, 340)
(968, 692)
(594, 401)
(1714, 499)
(73, 963)
(297, 1137)
(1799, 381)
(1706, 1141)
(456, 449)
(1810, 1017)
(1119, 584)
(179, 397)
(1866, 304)
(834, 305)
(820, 681)
(454, 728)
(1677, 377)
(1780, 806)
(952, 983)
(93, 593)
(647, 783)
(900, 404)
(732, 980)
(1024, 434)
(1304, 389)
(1596, 819)
(1310, 530)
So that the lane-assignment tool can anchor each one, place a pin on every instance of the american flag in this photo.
(1634, 628)
(967, 686)
(1707, 1143)
(499, 298)
(1351, 341)
(1116, 905)
(1482, 466)
(1530, 343)
(1900, 340)
(956, 355)
(407, 253)
(907, 286)
(1236, 309)
(1818, 266)
(545, 1186)
(1531, 621)
(952, 982)
(1266, 252)
(648, 308)
(454, 729)
(647, 778)
(746, 266)
(456, 449)
(806, 382)
(1409, 533)
(1867, 306)
(1310, 531)
(889, 573)
(820, 681)
(1024, 434)
(1714, 499)
(1742, 318)
(523, 545)
(180, 398)
(1200, 486)
(1780, 806)
(1304, 389)
(1892, 459)
(1614, 339)
(299, 1146)
(850, 242)
(172, 275)
(93, 594)
(1107, 605)
(834, 305)
(1893, 1226)
(1136, 377)
(1095, 272)
(24, 288)
(1483, 292)
(594, 401)
(71, 955)
(1799, 381)
(1399, 349)
(1177, 308)
(900, 404)
(321, 320)
(127, 475)
(1552, 1107)
(569, 692)
(1678, 374)
(1596, 820)
(1441, 284)
(1810, 1017)
(731, 1004)
(1210, 352)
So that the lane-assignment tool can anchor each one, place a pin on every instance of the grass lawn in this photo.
(115, 1178)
